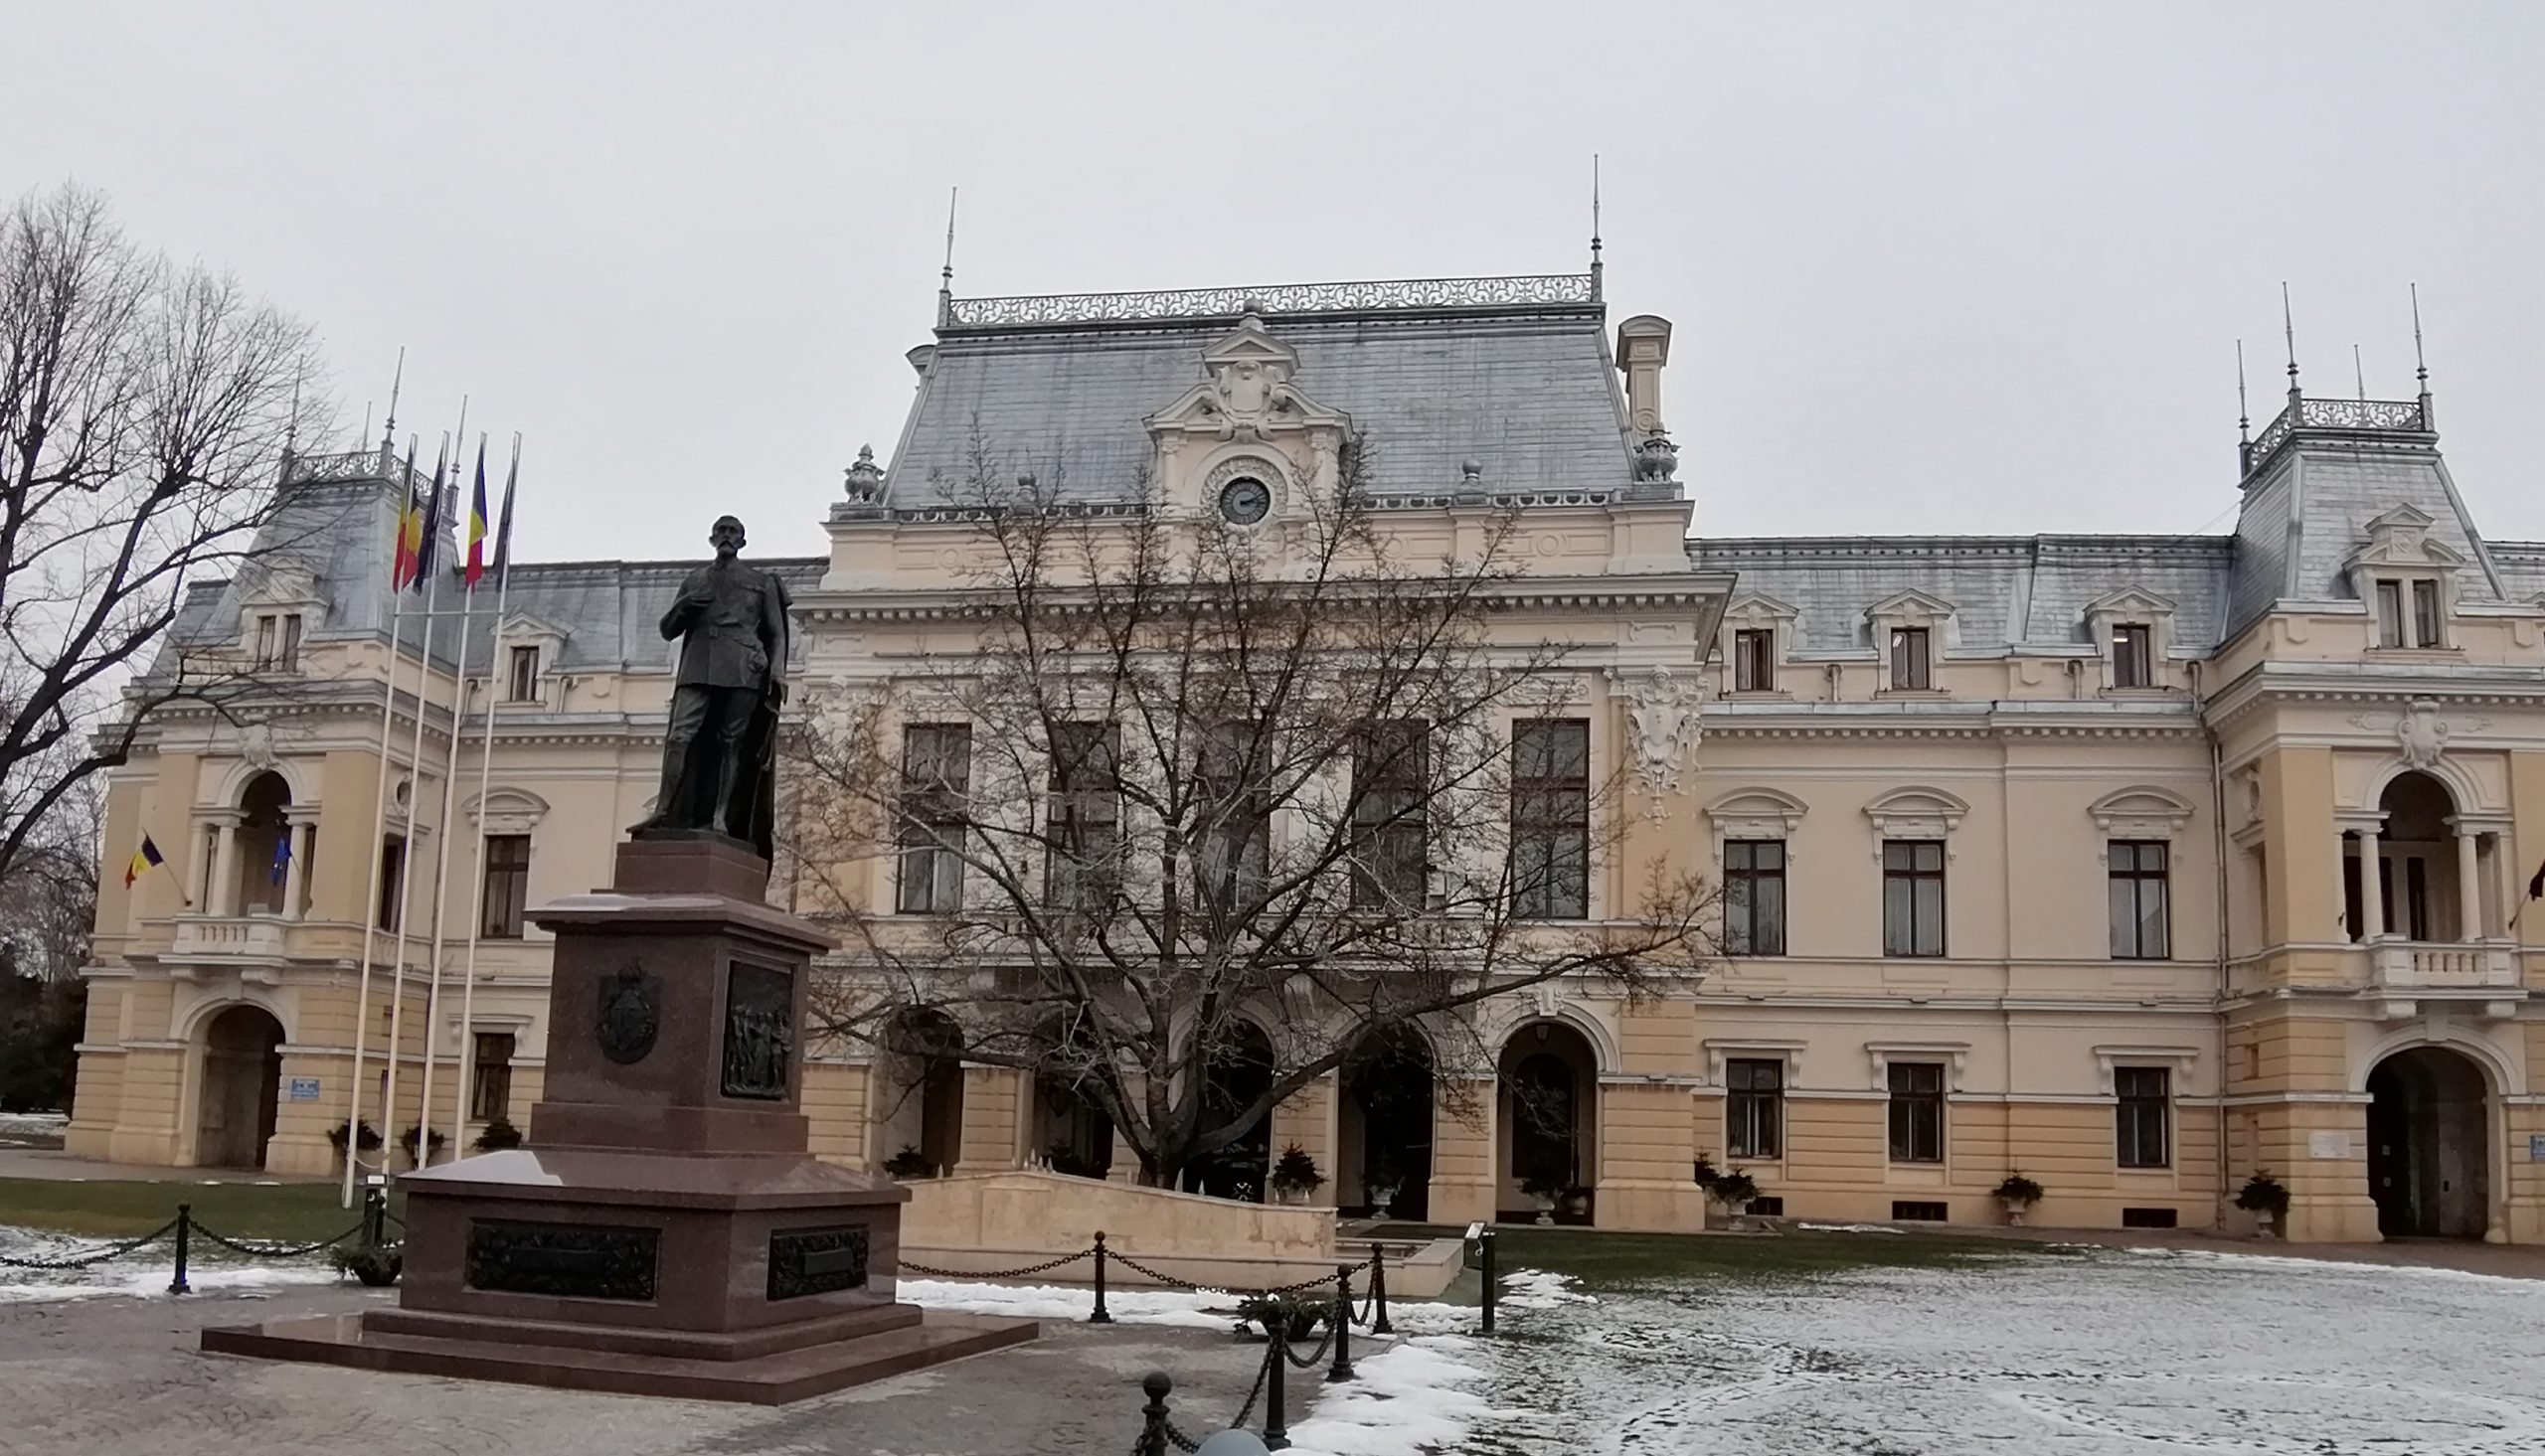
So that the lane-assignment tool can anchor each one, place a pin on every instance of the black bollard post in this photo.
(1100, 1317)
(1342, 1368)
(1152, 1441)
(375, 1217)
(1379, 1290)
(1485, 1242)
(185, 1235)
(1277, 1424)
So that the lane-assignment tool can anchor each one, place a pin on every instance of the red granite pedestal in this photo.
(664, 1230)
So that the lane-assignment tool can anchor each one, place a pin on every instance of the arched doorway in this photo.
(1382, 1165)
(2418, 865)
(261, 868)
(1548, 1107)
(918, 1090)
(1236, 1071)
(1072, 1134)
(2428, 1145)
(242, 1073)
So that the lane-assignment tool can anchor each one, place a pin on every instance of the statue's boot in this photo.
(666, 798)
(729, 776)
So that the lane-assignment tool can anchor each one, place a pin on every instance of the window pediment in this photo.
(2401, 538)
(1758, 610)
(1915, 813)
(2142, 811)
(1755, 814)
(507, 811)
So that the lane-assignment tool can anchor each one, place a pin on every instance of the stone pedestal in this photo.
(663, 1230)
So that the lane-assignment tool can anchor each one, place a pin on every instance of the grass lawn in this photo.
(1618, 1261)
(285, 1213)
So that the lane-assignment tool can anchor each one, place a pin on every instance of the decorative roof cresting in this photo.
(1401, 294)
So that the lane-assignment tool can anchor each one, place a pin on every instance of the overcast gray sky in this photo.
(1939, 266)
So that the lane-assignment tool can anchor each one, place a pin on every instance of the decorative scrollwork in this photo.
(2361, 416)
(349, 465)
(1278, 298)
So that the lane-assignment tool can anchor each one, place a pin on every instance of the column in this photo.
(2372, 890)
(220, 898)
(295, 875)
(2469, 886)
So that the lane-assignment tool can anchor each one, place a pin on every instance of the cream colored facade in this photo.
(1962, 752)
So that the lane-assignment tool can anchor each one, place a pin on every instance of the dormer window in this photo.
(278, 644)
(2408, 613)
(522, 679)
(2132, 655)
(1753, 660)
(2407, 583)
(1910, 663)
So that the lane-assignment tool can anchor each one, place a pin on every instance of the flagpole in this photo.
(430, 571)
(442, 859)
(379, 824)
(485, 768)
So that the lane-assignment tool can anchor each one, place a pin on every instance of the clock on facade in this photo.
(1244, 500)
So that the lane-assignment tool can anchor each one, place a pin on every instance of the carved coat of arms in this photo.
(632, 1012)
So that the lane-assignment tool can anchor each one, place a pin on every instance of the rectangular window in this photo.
(1084, 816)
(1754, 1108)
(1919, 1211)
(1909, 659)
(2390, 613)
(1754, 896)
(936, 777)
(2416, 924)
(1753, 660)
(1912, 896)
(2145, 1095)
(1551, 819)
(490, 1071)
(289, 661)
(1231, 819)
(2142, 902)
(2133, 657)
(1917, 1112)
(507, 891)
(1391, 837)
(2148, 1217)
(521, 683)
(2426, 623)
(392, 863)
(267, 630)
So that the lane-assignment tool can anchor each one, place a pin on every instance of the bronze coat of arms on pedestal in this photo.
(632, 1012)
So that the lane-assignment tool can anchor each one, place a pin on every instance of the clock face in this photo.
(1244, 500)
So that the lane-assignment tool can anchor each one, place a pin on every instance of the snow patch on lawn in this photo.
(1409, 1400)
(142, 1273)
(1213, 1310)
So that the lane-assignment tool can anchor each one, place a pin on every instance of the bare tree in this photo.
(144, 408)
(1197, 775)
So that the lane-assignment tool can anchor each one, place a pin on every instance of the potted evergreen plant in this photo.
(1380, 1181)
(2017, 1195)
(1542, 1189)
(497, 1136)
(433, 1147)
(2264, 1196)
(909, 1163)
(366, 1138)
(1295, 1176)
(1734, 1191)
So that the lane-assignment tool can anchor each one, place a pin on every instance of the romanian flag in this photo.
(144, 860)
(410, 529)
(477, 521)
(428, 530)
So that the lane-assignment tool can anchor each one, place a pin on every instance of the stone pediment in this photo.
(1248, 394)
(1909, 605)
(2401, 538)
(527, 627)
(2132, 600)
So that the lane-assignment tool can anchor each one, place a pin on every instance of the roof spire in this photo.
(2421, 366)
(2359, 371)
(945, 276)
(2244, 418)
(1595, 268)
(389, 432)
(2289, 331)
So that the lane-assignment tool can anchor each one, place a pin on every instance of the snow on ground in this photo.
(144, 1272)
(33, 1129)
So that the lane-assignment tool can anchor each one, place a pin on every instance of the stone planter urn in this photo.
(2016, 1209)
(1382, 1199)
(1544, 1202)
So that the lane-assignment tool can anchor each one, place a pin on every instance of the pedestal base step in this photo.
(770, 1380)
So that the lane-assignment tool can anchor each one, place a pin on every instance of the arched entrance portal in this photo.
(1548, 1107)
(1384, 1163)
(262, 865)
(1073, 1134)
(2428, 1145)
(1237, 1072)
(919, 1093)
(242, 1072)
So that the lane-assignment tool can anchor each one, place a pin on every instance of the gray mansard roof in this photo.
(1517, 378)
(2005, 591)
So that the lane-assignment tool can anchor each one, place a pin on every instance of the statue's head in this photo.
(725, 536)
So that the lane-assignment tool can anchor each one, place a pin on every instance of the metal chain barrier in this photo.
(82, 1261)
(1313, 1355)
(1171, 1281)
(1045, 1267)
(274, 1251)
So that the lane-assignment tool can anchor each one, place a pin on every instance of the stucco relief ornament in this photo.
(2421, 734)
(1663, 708)
(257, 747)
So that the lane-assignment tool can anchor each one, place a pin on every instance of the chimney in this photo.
(1644, 346)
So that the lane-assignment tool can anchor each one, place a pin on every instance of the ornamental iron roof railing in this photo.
(1401, 294)
(346, 465)
(2340, 417)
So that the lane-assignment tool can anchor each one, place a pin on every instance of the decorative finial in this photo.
(1250, 305)
(1595, 226)
(2359, 371)
(865, 478)
(2289, 331)
(1472, 470)
(389, 429)
(945, 274)
(2244, 418)
(2421, 366)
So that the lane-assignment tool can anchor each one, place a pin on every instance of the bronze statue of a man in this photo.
(720, 753)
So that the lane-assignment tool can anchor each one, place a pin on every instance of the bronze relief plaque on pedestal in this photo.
(760, 1031)
(571, 1260)
(805, 1261)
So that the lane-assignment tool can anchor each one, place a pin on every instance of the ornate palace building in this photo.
(2137, 865)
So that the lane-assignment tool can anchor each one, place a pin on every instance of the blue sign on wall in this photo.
(2536, 1147)
(304, 1089)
